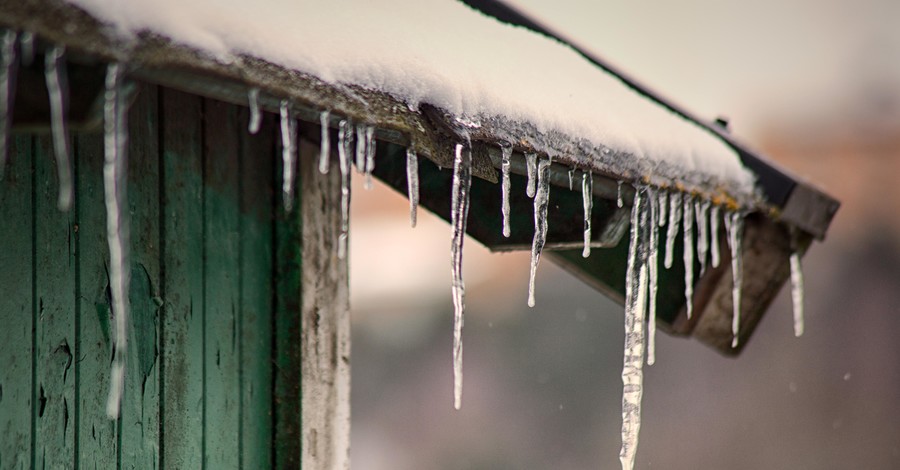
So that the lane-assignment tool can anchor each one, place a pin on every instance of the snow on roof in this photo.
(444, 54)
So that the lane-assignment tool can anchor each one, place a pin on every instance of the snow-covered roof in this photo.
(379, 62)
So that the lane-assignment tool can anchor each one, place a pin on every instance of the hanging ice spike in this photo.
(288, 154)
(7, 79)
(688, 253)
(734, 225)
(672, 231)
(345, 135)
(370, 155)
(701, 211)
(459, 212)
(117, 226)
(653, 261)
(324, 142)
(531, 169)
(714, 215)
(57, 90)
(255, 113)
(412, 183)
(541, 201)
(506, 152)
(633, 356)
(797, 292)
(587, 197)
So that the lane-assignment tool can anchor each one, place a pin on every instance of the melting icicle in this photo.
(459, 212)
(701, 210)
(672, 232)
(345, 133)
(255, 113)
(531, 169)
(360, 148)
(370, 155)
(7, 79)
(633, 357)
(56, 89)
(734, 225)
(688, 254)
(797, 293)
(412, 183)
(117, 228)
(714, 235)
(653, 261)
(541, 202)
(619, 201)
(571, 178)
(27, 47)
(587, 197)
(324, 142)
(288, 154)
(663, 204)
(506, 152)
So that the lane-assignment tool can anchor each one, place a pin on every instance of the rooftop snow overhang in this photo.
(784, 216)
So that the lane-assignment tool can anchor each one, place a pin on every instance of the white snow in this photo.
(438, 52)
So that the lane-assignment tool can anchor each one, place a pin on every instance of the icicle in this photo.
(412, 183)
(672, 232)
(56, 89)
(653, 261)
(531, 169)
(506, 152)
(370, 155)
(459, 212)
(587, 197)
(324, 142)
(255, 113)
(663, 204)
(541, 202)
(360, 148)
(701, 211)
(688, 254)
(288, 154)
(619, 201)
(633, 357)
(571, 178)
(115, 179)
(27, 46)
(345, 134)
(7, 79)
(797, 293)
(734, 225)
(714, 235)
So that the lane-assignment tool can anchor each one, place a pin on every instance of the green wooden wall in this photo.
(213, 371)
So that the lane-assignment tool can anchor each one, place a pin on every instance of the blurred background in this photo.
(815, 85)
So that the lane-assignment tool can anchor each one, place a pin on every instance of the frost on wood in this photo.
(688, 253)
(345, 130)
(506, 152)
(7, 80)
(797, 292)
(412, 184)
(541, 201)
(115, 112)
(288, 154)
(459, 212)
(57, 91)
(587, 197)
(734, 225)
(324, 142)
(255, 113)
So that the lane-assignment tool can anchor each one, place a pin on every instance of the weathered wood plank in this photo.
(97, 435)
(255, 313)
(181, 392)
(54, 393)
(221, 288)
(325, 314)
(140, 406)
(16, 277)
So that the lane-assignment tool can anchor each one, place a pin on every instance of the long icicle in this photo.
(587, 197)
(653, 261)
(506, 152)
(345, 131)
(688, 253)
(672, 231)
(633, 356)
(797, 292)
(115, 164)
(360, 148)
(57, 89)
(324, 142)
(370, 155)
(701, 211)
(663, 204)
(412, 183)
(8, 65)
(541, 202)
(459, 212)
(531, 169)
(288, 154)
(734, 224)
(714, 215)
(255, 114)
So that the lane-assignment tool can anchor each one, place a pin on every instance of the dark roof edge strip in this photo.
(801, 204)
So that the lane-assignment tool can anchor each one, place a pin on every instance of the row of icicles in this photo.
(652, 210)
